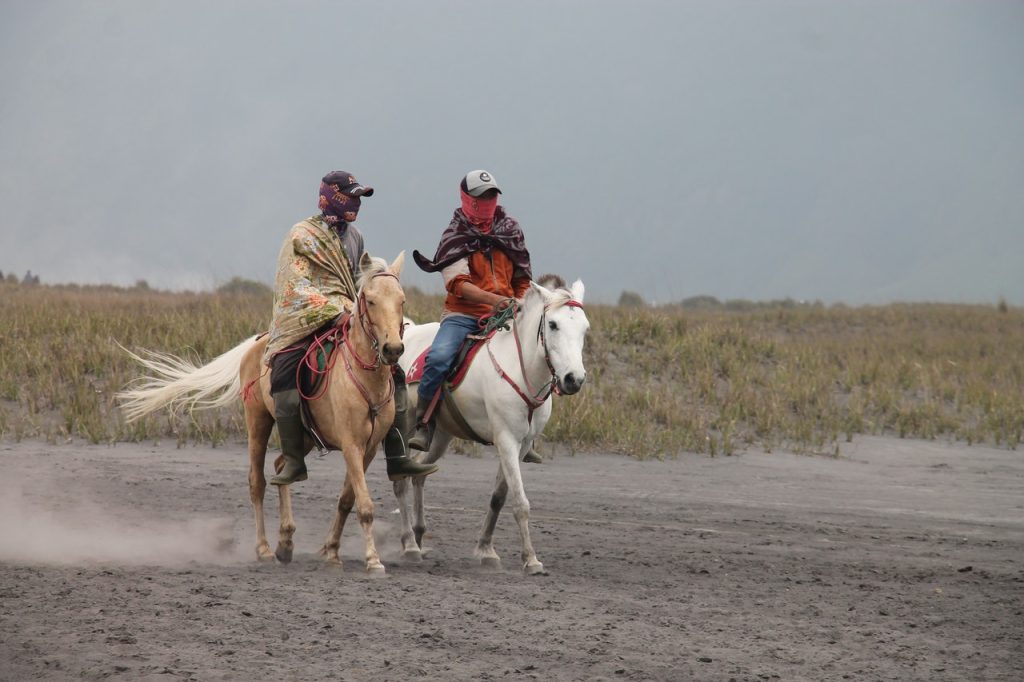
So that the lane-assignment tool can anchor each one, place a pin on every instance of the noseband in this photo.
(544, 343)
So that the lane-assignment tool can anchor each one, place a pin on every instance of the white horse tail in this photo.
(178, 382)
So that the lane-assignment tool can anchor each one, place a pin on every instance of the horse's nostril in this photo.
(571, 383)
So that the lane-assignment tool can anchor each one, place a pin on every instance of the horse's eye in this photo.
(553, 326)
(369, 302)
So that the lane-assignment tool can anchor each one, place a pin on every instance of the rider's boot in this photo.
(533, 457)
(287, 412)
(424, 428)
(400, 464)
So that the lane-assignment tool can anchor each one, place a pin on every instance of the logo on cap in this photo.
(485, 176)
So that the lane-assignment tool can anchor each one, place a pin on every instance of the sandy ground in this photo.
(899, 560)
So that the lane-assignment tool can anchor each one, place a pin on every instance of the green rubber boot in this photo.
(291, 432)
(400, 464)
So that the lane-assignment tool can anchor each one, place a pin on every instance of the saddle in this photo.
(471, 345)
(463, 358)
(311, 379)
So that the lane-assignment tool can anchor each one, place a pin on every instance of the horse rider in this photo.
(486, 268)
(315, 283)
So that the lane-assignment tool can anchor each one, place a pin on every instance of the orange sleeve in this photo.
(454, 286)
(520, 286)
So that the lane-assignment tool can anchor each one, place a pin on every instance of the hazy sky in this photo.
(850, 151)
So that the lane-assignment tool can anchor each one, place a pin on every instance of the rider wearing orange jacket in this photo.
(486, 267)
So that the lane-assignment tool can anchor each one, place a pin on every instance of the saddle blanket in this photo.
(459, 368)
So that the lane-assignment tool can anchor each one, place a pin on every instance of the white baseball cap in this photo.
(477, 182)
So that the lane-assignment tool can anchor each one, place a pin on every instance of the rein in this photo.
(532, 398)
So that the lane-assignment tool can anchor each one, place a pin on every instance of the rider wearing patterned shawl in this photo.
(486, 268)
(314, 285)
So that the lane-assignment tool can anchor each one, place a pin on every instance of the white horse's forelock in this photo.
(558, 298)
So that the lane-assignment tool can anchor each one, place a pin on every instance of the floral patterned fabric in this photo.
(315, 281)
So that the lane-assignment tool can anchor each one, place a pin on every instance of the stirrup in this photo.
(423, 437)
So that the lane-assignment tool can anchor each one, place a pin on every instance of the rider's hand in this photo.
(504, 304)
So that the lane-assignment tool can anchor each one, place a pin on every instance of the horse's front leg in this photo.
(437, 448)
(485, 546)
(344, 507)
(410, 550)
(509, 451)
(356, 458)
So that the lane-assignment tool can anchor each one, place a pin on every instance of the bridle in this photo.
(533, 398)
(363, 315)
(347, 349)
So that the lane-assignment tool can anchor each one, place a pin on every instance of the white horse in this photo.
(505, 399)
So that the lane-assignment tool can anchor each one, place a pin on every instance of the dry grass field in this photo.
(661, 380)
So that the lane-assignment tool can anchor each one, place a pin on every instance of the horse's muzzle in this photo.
(571, 383)
(390, 352)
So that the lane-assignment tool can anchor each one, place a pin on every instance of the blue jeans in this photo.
(450, 336)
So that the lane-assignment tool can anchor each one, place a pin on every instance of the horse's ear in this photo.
(366, 262)
(577, 290)
(396, 266)
(544, 294)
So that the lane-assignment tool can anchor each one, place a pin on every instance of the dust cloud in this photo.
(83, 531)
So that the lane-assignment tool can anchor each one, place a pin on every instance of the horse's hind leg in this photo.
(258, 424)
(285, 543)
(485, 547)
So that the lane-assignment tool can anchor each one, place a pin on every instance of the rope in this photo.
(499, 320)
(309, 360)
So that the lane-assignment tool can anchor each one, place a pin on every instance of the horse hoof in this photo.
(534, 569)
(283, 555)
(376, 571)
(413, 556)
(335, 562)
(491, 562)
(263, 554)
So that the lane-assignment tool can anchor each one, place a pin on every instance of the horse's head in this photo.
(381, 302)
(563, 328)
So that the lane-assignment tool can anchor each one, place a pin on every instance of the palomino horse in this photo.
(354, 412)
(504, 399)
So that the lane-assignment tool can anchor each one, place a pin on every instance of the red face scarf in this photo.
(479, 211)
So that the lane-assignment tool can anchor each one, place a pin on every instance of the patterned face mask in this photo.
(479, 211)
(337, 207)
